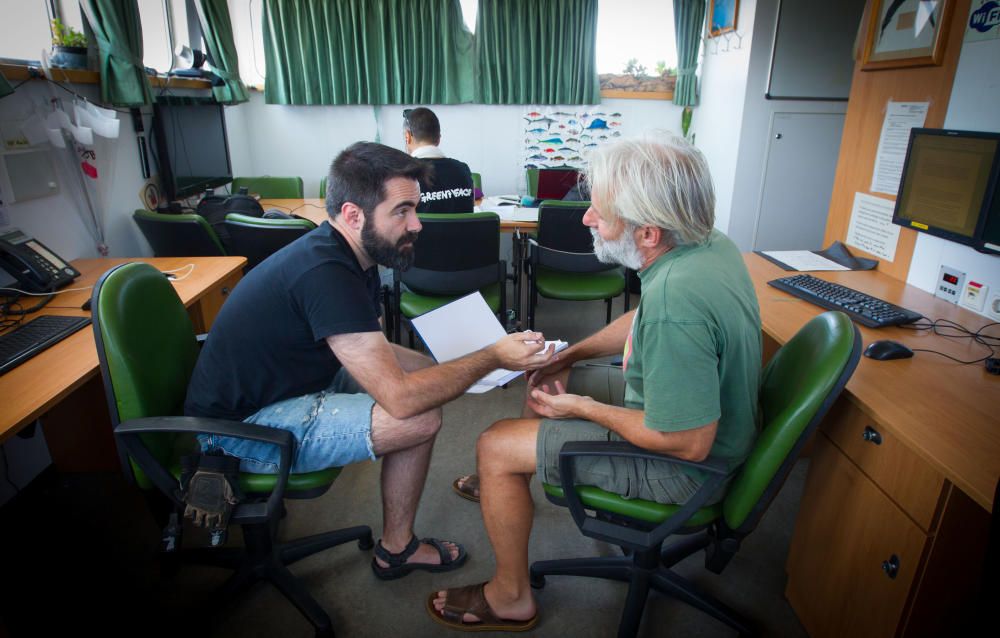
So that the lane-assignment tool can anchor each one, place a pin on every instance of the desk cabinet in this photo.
(876, 536)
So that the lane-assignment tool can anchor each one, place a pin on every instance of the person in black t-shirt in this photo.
(449, 189)
(298, 346)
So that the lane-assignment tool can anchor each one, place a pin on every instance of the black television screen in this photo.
(191, 146)
(949, 186)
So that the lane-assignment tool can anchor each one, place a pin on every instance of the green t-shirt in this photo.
(693, 354)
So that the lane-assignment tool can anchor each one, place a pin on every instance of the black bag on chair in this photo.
(213, 208)
(244, 204)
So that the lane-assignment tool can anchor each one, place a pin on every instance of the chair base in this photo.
(262, 559)
(644, 570)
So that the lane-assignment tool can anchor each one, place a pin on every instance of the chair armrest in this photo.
(129, 433)
(618, 534)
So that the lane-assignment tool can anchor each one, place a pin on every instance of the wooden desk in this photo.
(63, 383)
(921, 495)
(315, 211)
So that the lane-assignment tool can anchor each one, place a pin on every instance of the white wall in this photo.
(302, 140)
(973, 106)
(718, 120)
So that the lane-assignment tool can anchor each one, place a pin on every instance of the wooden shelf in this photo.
(85, 76)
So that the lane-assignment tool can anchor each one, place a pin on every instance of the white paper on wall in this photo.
(871, 227)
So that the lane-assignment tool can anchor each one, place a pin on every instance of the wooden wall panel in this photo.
(871, 92)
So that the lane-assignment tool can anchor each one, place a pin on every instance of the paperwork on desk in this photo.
(835, 257)
(463, 326)
(509, 208)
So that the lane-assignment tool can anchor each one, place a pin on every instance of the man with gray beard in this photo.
(687, 387)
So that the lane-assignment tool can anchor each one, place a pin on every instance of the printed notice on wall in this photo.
(900, 117)
(871, 227)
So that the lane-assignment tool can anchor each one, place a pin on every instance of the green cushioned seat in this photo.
(147, 350)
(270, 187)
(557, 284)
(798, 387)
(454, 255)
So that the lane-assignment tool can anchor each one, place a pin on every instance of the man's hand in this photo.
(544, 374)
(555, 405)
(523, 351)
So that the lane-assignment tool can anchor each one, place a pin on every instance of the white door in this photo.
(798, 180)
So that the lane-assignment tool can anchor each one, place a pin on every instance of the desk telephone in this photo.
(36, 268)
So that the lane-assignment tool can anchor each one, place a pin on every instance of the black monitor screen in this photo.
(948, 183)
(191, 145)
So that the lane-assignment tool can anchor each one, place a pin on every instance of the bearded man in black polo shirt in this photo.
(449, 187)
(298, 346)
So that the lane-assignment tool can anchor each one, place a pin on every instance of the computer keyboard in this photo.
(27, 340)
(867, 310)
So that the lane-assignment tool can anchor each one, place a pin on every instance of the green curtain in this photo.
(537, 52)
(116, 26)
(218, 31)
(5, 87)
(689, 21)
(367, 52)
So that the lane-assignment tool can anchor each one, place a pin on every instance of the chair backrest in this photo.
(477, 181)
(456, 253)
(531, 181)
(273, 187)
(147, 350)
(257, 238)
(798, 387)
(566, 244)
(186, 235)
(322, 187)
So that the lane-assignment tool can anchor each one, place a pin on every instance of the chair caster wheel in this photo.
(366, 542)
(537, 581)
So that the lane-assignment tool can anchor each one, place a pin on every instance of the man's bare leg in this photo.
(506, 461)
(526, 413)
(405, 447)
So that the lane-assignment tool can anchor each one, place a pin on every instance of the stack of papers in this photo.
(464, 326)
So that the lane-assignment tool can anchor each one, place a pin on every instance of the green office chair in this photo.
(798, 386)
(257, 238)
(270, 187)
(531, 181)
(562, 264)
(322, 187)
(187, 235)
(456, 254)
(147, 350)
(477, 181)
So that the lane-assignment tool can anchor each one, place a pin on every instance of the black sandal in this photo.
(398, 567)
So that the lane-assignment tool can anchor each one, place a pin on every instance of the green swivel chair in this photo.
(270, 187)
(798, 386)
(147, 351)
(477, 181)
(456, 254)
(322, 187)
(531, 181)
(257, 238)
(562, 264)
(187, 235)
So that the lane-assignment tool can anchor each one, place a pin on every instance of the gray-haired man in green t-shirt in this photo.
(688, 384)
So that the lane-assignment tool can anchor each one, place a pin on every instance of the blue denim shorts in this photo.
(332, 428)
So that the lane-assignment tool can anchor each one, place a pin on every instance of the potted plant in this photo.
(69, 46)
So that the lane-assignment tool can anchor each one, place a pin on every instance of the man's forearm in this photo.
(426, 388)
(630, 424)
(607, 341)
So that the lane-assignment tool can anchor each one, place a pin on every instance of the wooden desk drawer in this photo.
(204, 312)
(845, 531)
(905, 477)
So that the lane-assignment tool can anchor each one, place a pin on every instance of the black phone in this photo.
(35, 267)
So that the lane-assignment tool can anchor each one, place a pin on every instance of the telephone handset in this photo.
(36, 268)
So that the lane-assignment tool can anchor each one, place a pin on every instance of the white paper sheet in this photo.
(803, 260)
(463, 326)
(900, 117)
(871, 227)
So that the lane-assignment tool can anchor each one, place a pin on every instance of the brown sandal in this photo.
(468, 489)
(471, 600)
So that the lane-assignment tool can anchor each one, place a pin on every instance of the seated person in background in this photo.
(687, 387)
(298, 346)
(449, 188)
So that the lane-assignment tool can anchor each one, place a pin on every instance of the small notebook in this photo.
(463, 326)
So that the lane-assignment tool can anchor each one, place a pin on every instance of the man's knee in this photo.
(428, 423)
(494, 443)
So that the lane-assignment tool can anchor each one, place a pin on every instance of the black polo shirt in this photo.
(268, 342)
(449, 189)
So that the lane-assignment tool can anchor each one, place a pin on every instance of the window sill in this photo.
(637, 95)
(84, 76)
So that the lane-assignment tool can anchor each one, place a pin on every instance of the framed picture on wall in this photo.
(722, 16)
(903, 33)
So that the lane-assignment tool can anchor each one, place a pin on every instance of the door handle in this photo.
(891, 567)
(871, 435)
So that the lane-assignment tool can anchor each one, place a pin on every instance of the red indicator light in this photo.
(951, 279)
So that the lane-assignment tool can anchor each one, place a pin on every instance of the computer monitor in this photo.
(554, 183)
(949, 187)
(191, 145)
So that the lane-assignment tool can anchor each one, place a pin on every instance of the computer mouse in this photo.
(886, 350)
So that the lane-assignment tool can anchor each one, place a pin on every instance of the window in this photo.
(635, 38)
(470, 9)
(24, 29)
(157, 52)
